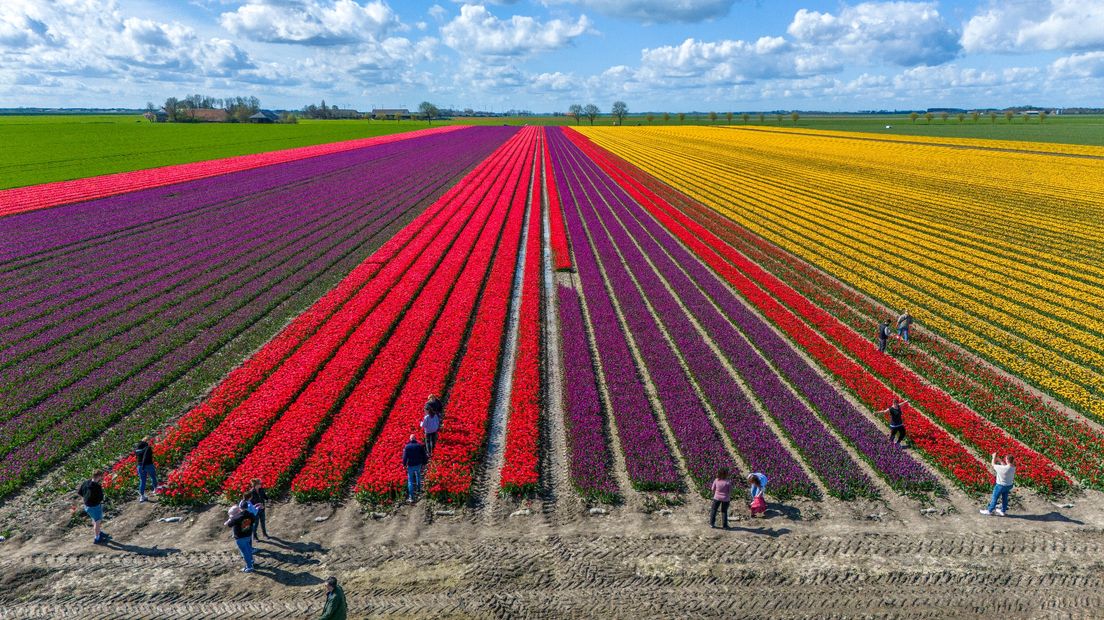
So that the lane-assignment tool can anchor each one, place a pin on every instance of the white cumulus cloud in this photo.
(311, 22)
(1033, 25)
(477, 31)
(658, 11)
(1087, 65)
(900, 33)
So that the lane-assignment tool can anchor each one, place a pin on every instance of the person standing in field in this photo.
(414, 459)
(758, 504)
(722, 494)
(1005, 474)
(91, 491)
(431, 423)
(904, 322)
(336, 608)
(883, 335)
(896, 421)
(241, 522)
(143, 454)
(258, 497)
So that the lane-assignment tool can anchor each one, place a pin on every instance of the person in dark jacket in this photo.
(883, 335)
(143, 454)
(336, 608)
(433, 405)
(91, 491)
(240, 522)
(258, 497)
(414, 459)
(896, 421)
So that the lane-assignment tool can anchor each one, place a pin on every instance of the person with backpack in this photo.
(143, 455)
(336, 608)
(91, 491)
(431, 423)
(722, 494)
(414, 459)
(758, 506)
(883, 335)
(240, 522)
(258, 497)
(896, 421)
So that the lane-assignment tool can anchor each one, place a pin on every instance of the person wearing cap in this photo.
(336, 608)
(414, 459)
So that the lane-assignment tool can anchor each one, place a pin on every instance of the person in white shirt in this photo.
(1005, 473)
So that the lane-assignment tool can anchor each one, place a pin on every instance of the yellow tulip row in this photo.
(999, 251)
(1001, 145)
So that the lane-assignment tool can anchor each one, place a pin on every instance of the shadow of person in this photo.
(791, 513)
(762, 531)
(153, 552)
(286, 577)
(297, 547)
(1051, 517)
(286, 558)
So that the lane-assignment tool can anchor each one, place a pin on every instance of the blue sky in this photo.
(543, 55)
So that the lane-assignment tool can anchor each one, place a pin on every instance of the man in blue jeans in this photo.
(904, 322)
(143, 454)
(414, 459)
(1005, 473)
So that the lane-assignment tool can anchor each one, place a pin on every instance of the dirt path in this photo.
(1041, 562)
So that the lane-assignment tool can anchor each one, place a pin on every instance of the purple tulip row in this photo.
(160, 253)
(588, 451)
(648, 459)
(89, 365)
(231, 305)
(38, 237)
(698, 439)
(895, 465)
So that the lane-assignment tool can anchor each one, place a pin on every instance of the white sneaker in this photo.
(999, 512)
(985, 512)
(142, 498)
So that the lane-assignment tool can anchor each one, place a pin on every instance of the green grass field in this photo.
(40, 149)
(1063, 129)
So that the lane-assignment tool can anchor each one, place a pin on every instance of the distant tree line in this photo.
(238, 109)
(320, 110)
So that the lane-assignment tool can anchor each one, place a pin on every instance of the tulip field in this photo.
(707, 296)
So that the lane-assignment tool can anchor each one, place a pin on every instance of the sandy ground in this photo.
(558, 559)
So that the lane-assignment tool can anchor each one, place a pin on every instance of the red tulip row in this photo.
(470, 397)
(354, 330)
(170, 449)
(457, 281)
(33, 197)
(519, 469)
(561, 251)
(749, 277)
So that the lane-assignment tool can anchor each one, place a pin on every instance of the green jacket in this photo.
(335, 609)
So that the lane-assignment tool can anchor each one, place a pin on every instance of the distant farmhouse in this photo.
(391, 114)
(264, 116)
(208, 115)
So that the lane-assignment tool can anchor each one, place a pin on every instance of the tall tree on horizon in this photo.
(575, 111)
(619, 110)
(591, 111)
